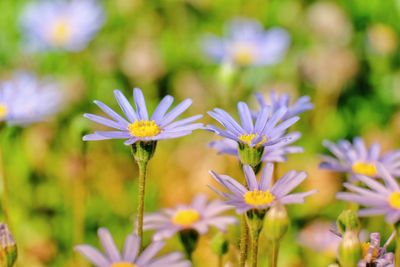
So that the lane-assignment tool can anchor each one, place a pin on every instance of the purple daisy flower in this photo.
(138, 126)
(266, 131)
(199, 215)
(357, 159)
(374, 254)
(67, 25)
(261, 195)
(130, 257)
(379, 199)
(278, 101)
(274, 153)
(25, 99)
(247, 44)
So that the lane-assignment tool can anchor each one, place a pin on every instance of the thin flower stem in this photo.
(254, 247)
(274, 252)
(244, 238)
(142, 186)
(5, 193)
(220, 260)
(397, 252)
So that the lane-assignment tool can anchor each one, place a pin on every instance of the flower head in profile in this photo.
(267, 130)
(274, 153)
(131, 255)
(25, 99)
(200, 215)
(260, 195)
(138, 125)
(65, 25)
(378, 199)
(357, 159)
(375, 255)
(278, 101)
(247, 44)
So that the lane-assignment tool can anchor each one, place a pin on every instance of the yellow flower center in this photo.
(186, 218)
(60, 32)
(364, 168)
(258, 198)
(144, 128)
(243, 54)
(365, 248)
(394, 200)
(247, 138)
(123, 264)
(3, 111)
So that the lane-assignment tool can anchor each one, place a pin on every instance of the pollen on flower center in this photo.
(243, 54)
(394, 200)
(123, 264)
(365, 248)
(364, 168)
(144, 128)
(186, 218)
(60, 32)
(247, 138)
(258, 198)
(3, 111)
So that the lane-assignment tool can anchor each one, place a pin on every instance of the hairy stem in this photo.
(244, 238)
(140, 209)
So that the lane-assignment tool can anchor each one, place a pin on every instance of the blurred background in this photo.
(344, 54)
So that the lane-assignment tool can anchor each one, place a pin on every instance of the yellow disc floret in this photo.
(60, 32)
(258, 198)
(3, 111)
(364, 168)
(365, 248)
(144, 128)
(123, 264)
(186, 217)
(243, 54)
(247, 138)
(394, 200)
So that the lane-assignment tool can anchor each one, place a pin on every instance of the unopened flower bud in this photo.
(220, 244)
(8, 248)
(348, 221)
(276, 222)
(350, 249)
(251, 155)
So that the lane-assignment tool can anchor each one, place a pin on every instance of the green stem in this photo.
(397, 253)
(254, 247)
(142, 186)
(220, 261)
(244, 238)
(274, 252)
(5, 193)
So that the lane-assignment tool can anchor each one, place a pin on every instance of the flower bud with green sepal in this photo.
(276, 222)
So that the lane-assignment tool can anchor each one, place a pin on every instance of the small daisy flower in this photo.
(265, 131)
(375, 255)
(260, 195)
(274, 153)
(66, 25)
(378, 199)
(25, 99)
(130, 257)
(278, 101)
(357, 159)
(138, 126)
(200, 215)
(247, 44)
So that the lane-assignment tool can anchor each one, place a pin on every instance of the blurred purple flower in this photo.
(278, 101)
(139, 127)
(265, 132)
(261, 194)
(67, 25)
(379, 199)
(374, 254)
(199, 215)
(275, 153)
(131, 257)
(357, 159)
(24, 99)
(247, 44)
